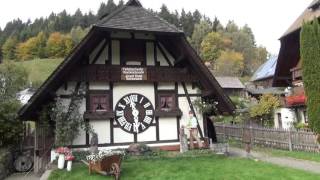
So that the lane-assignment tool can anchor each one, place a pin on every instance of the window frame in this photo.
(168, 93)
(93, 93)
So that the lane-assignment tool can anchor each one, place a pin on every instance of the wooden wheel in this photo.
(116, 171)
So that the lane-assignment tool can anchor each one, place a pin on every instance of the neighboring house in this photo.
(288, 72)
(261, 83)
(263, 77)
(139, 75)
(232, 86)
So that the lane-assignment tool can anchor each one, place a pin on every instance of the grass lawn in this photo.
(294, 154)
(40, 69)
(191, 168)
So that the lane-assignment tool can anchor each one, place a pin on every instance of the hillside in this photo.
(40, 69)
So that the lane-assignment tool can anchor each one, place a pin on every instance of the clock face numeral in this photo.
(134, 113)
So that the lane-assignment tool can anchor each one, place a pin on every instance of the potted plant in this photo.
(62, 151)
(69, 158)
(103, 160)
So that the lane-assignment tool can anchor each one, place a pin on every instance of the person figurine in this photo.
(183, 140)
(192, 126)
(94, 143)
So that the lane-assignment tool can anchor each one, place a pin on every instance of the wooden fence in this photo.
(297, 140)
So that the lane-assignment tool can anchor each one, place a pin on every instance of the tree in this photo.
(211, 47)
(310, 56)
(32, 48)
(9, 48)
(13, 78)
(230, 63)
(263, 111)
(105, 9)
(77, 33)
(200, 31)
(58, 45)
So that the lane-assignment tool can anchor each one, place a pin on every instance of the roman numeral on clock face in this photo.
(146, 105)
(119, 113)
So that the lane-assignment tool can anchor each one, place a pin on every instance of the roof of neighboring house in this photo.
(289, 54)
(266, 70)
(166, 34)
(230, 83)
(308, 14)
(133, 16)
(272, 90)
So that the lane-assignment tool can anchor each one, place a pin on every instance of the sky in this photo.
(268, 19)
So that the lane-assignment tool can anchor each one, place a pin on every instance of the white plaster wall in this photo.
(120, 136)
(190, 90)
(168, 128)
(115, 52)
(103, 56)
(122, 89)
(288, 117)
(161, 59)
(102, 128)
(166, 86)
(81, 139)
(150, 53)
(148, 135)
(99, 86)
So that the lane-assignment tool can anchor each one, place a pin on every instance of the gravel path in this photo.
(282, 161)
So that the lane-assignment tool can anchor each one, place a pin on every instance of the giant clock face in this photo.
(134, 113)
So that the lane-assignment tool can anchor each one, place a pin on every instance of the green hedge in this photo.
(310, 55)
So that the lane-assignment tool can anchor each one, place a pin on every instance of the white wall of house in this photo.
(288, 117)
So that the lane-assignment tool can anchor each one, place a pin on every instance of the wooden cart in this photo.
(109, 166)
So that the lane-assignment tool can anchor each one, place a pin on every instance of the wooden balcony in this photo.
(296, 73)
(297, 100)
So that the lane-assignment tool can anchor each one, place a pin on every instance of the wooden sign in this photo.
(133, 74)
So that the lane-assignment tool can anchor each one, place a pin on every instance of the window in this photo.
(99, 101)
(132, 52)
(166, 101)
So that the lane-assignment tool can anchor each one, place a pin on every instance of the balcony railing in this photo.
(296, 73)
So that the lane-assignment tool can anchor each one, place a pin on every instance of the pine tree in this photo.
(9, 48)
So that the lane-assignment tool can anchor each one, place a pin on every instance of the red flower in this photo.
(69, 157)
(62, 150)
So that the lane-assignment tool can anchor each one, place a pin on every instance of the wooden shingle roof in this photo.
(133, 16)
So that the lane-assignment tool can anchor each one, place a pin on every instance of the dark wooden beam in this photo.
(113, 74)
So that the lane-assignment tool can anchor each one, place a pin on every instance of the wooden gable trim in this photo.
(164, 54)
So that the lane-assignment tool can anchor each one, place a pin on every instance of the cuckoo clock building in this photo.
(139, 76)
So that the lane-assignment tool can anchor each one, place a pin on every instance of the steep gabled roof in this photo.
(289, 54)
(313, 11)
(133, 16)
(266, 70)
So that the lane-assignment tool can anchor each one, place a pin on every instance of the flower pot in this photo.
(61, 161)
(69, 165)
